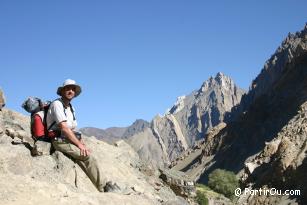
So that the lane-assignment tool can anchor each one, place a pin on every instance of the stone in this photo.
(138, 189)
(2, 99)
(179, 182)
(41, 148)
(20, 134)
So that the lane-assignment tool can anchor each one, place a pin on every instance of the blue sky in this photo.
(134, 58)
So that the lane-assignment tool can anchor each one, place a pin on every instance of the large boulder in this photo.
(179, 182)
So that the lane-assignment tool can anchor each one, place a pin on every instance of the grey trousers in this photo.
(87, 163)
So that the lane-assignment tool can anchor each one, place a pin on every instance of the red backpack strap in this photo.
(38, 128)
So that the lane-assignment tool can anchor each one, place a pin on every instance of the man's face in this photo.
(69, 92)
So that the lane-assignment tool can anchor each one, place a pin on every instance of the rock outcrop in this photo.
(179, 182)
(282, 163)
(2, 99)
(55, 179)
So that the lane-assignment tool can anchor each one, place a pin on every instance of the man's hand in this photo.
(83, 150)
(69, 134)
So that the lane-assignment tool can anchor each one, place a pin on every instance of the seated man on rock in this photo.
(61, 123)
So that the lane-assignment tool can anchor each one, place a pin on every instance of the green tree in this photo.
(224, 182)
(201, 198)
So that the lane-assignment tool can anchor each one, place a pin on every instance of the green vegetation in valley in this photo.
(201, 194)
(224, 182)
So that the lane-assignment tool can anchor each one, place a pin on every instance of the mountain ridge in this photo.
(166, 137)
(113, 134)
(265, 140)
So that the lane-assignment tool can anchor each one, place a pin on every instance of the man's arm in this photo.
(71, 136)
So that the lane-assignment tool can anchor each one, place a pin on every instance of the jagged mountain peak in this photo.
(194, 114)
(218, 89)
(221, 76)
(179, 104)
(291, 37)
(220, 81)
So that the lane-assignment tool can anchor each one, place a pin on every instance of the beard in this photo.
(69, 95)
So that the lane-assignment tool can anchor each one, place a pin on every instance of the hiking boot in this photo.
(112, 187)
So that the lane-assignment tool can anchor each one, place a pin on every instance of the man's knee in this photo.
(90, 158)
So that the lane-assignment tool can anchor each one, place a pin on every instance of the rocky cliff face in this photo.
(265, 143)
(168, 136)
(282, 163)
(55, 179)
(205, 108)
(287, 53)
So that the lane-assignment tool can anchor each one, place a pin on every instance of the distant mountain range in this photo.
(188, 120)
(114, 134)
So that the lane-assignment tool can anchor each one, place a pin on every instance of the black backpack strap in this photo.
(31, 124)
(71, 109)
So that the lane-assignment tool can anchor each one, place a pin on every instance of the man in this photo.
(61, 124)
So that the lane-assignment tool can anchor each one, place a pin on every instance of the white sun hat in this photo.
(67, 83)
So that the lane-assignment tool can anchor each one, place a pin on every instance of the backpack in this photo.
(39, 110)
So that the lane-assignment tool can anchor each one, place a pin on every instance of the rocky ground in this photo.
(55, 179)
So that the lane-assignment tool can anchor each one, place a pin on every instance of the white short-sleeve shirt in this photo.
(58, 113)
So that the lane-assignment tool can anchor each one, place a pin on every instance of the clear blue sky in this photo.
(134, 58)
